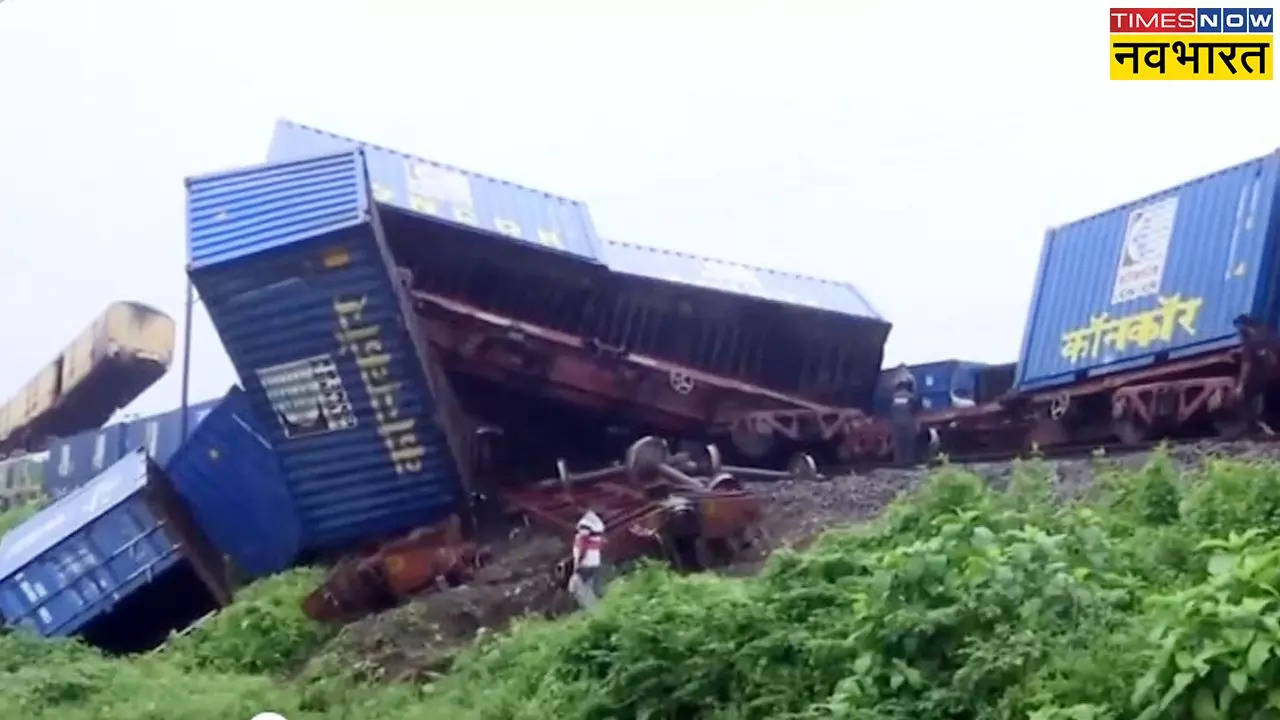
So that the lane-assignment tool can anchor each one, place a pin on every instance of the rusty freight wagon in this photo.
(531, 313)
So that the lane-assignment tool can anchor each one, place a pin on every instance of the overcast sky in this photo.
(919, 153)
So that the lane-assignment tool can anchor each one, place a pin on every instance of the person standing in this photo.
(906, 429)
(588, 544)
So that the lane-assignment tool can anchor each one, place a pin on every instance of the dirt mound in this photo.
(420, 639)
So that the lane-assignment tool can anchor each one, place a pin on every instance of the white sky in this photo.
(919, 153)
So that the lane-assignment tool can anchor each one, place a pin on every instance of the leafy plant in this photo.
(1233, 496)
(263, 631)
(1217, 642)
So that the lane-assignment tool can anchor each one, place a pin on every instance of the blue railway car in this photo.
(73, 461)
(161, 435)
(1157, 279)
(291, 264)
(76, 460)
(119, 560)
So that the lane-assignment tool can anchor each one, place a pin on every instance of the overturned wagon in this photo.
(141, 550)
(531, 314)
(122, 352)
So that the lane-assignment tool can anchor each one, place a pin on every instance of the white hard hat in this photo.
(591, 521)
(268, 716)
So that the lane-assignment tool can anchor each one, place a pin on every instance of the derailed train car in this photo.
(291, 264)
(140, 551)
(1156, 318)
(76, 567)
(392, 316)
(122, 353)
(531, 312)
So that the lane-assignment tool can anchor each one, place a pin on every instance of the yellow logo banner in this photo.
(1191, 56)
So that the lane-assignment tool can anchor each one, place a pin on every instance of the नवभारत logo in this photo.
(1191, 43)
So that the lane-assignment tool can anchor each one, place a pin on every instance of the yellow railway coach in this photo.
(122, 353)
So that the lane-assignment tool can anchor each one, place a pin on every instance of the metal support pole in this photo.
(186, 358)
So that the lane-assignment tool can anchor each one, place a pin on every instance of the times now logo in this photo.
(1191, 20)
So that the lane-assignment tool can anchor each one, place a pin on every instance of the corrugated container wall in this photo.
(118, 560)
(291, 265)
(75, 460)
(1164, 276)
(161, 435)
(441, 192)
(230, 478)
(731, 277)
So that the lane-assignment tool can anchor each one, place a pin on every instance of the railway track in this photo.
(1060, 452)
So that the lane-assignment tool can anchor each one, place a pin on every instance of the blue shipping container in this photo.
(1164, 276)
(939, 385)
(726, 276)
(448, 194)
(75, 460)
(291, 264)
(117, 559)
(161, 435)
(230, 479)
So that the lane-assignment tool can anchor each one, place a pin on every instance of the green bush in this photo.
(1149, 496)
(1217, 643)
(1233, 496)
(263, 631)
(16, 515)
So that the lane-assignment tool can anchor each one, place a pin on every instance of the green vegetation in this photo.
(16, 515)
(1156, 597)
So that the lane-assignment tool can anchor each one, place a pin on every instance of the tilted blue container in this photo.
(75, 460)
(448, 194)
(161, 435)
(118, 559)
(228, 474)
(290, 262)
(1163, 277)
(726, 276)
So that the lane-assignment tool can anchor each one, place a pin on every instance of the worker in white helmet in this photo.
(588, 542)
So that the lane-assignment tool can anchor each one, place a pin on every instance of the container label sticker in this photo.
(308, 396)
(427, 182)
(1146, 245)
